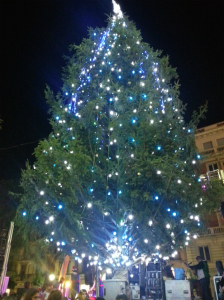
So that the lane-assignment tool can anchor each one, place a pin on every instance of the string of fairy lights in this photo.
(118, 254)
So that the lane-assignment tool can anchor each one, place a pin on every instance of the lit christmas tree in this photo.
(118, 180)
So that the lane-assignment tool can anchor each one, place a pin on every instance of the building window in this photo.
(220, 142)
(207, 145)
(204, 252)
(212, 166)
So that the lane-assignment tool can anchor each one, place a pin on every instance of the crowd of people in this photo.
(50, 292)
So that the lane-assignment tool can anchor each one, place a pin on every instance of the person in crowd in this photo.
(221, 287)
(55, 295)
(203, 276)
(121, 297)
(27, 285)
(32, 294)
(48, 288)
(60, 284)
(82, 295)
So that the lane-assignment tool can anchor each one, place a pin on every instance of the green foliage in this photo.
(38, 280)
(97, 155)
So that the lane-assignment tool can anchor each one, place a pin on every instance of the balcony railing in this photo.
(213, 175)
(214, 230)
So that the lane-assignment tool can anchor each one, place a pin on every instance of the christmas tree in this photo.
(118, 179)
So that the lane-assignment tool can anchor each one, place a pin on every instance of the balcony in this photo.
(213, 175)
(214, 231)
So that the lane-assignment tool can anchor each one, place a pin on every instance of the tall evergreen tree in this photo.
(118, 177)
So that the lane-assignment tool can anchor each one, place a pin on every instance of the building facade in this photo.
(210, 246)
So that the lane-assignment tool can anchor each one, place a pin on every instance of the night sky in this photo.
(35, 35)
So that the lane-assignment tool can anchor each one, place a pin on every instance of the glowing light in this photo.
(41, 193)
(150, 223)
(51, 218)
(51, 277)
(168, 226)
(89, 205)
(24, 213)
(130, 217)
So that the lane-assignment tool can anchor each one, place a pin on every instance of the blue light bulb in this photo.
(168, 209)
(174, 214)
(198, 156)
(133, 72)
(66, 93)
(119, 77)
(185, 231)
(24, 213)
(37, 217)
(120, 192)
(114, 233)
(94, 33)
(158, 148)
(63, 243)
(51, 239)
(60, 206)
(156, 197)
(133, 121)
(130, 239)
(109, 193)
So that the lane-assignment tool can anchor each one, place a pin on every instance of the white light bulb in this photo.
(168, 226)
(51, 218)
(157, 247)
(130, 217)
(158, 172)
(89, 205)
(41, 193)
(150, 223)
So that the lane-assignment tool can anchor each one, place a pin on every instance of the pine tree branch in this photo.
(168, 184)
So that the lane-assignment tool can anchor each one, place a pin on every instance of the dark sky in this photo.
(35, 34)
